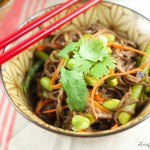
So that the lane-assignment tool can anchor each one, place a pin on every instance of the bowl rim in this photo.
(7, 4)
(56, 129)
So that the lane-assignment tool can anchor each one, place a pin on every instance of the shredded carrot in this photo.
(99, 99)
(82, 130)
(40, 104)
(53, 110)
(115, 126)
(55, 76)
(96, 104)
(41, 47)
(111, 71)
(127, 48)
(96, 97)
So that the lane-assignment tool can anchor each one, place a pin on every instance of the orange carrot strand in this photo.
(96, 104)
(96, 97)
(55, 76)
(41, 104)
(126, 48)
(53, 110)
(115, 126)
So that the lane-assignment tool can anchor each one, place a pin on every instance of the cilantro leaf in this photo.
(69, 48)
(92, 49)
(102, 68)
(75, 88)
(79, 64)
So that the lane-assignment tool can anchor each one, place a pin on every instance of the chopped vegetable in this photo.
(90, 81)
(55, 76)
(104, 40)
(111, 104)
(90, 117)
(30, 75)
(113, 81)
(110, 37)
(96, 104)
(115, 126)
(46, 83)
(42, 55)
(41, 104)
(53, 110)
(80, 123)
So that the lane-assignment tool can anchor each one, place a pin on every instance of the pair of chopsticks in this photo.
(44, 32)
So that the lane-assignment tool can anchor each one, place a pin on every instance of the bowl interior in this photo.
(123, 21)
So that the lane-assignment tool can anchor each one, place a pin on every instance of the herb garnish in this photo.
(88, 57)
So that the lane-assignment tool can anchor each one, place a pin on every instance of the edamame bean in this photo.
(90, 117)
(113, 81)
(104, 39)
(80, 123)
(90, 81)
(111, 104)
(46, 83)
(110, 37)
(87, 36)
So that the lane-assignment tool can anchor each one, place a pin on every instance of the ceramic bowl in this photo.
(4, 9)
(126, 22)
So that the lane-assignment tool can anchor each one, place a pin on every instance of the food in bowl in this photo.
(123, 21)
(88, 80)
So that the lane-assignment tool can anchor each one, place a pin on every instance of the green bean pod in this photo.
(30, 75)
(42, 55)
(136, 90)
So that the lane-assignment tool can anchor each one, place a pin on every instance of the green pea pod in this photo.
(136, 90)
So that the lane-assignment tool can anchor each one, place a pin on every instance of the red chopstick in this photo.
(45, 32)
(35, 23)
